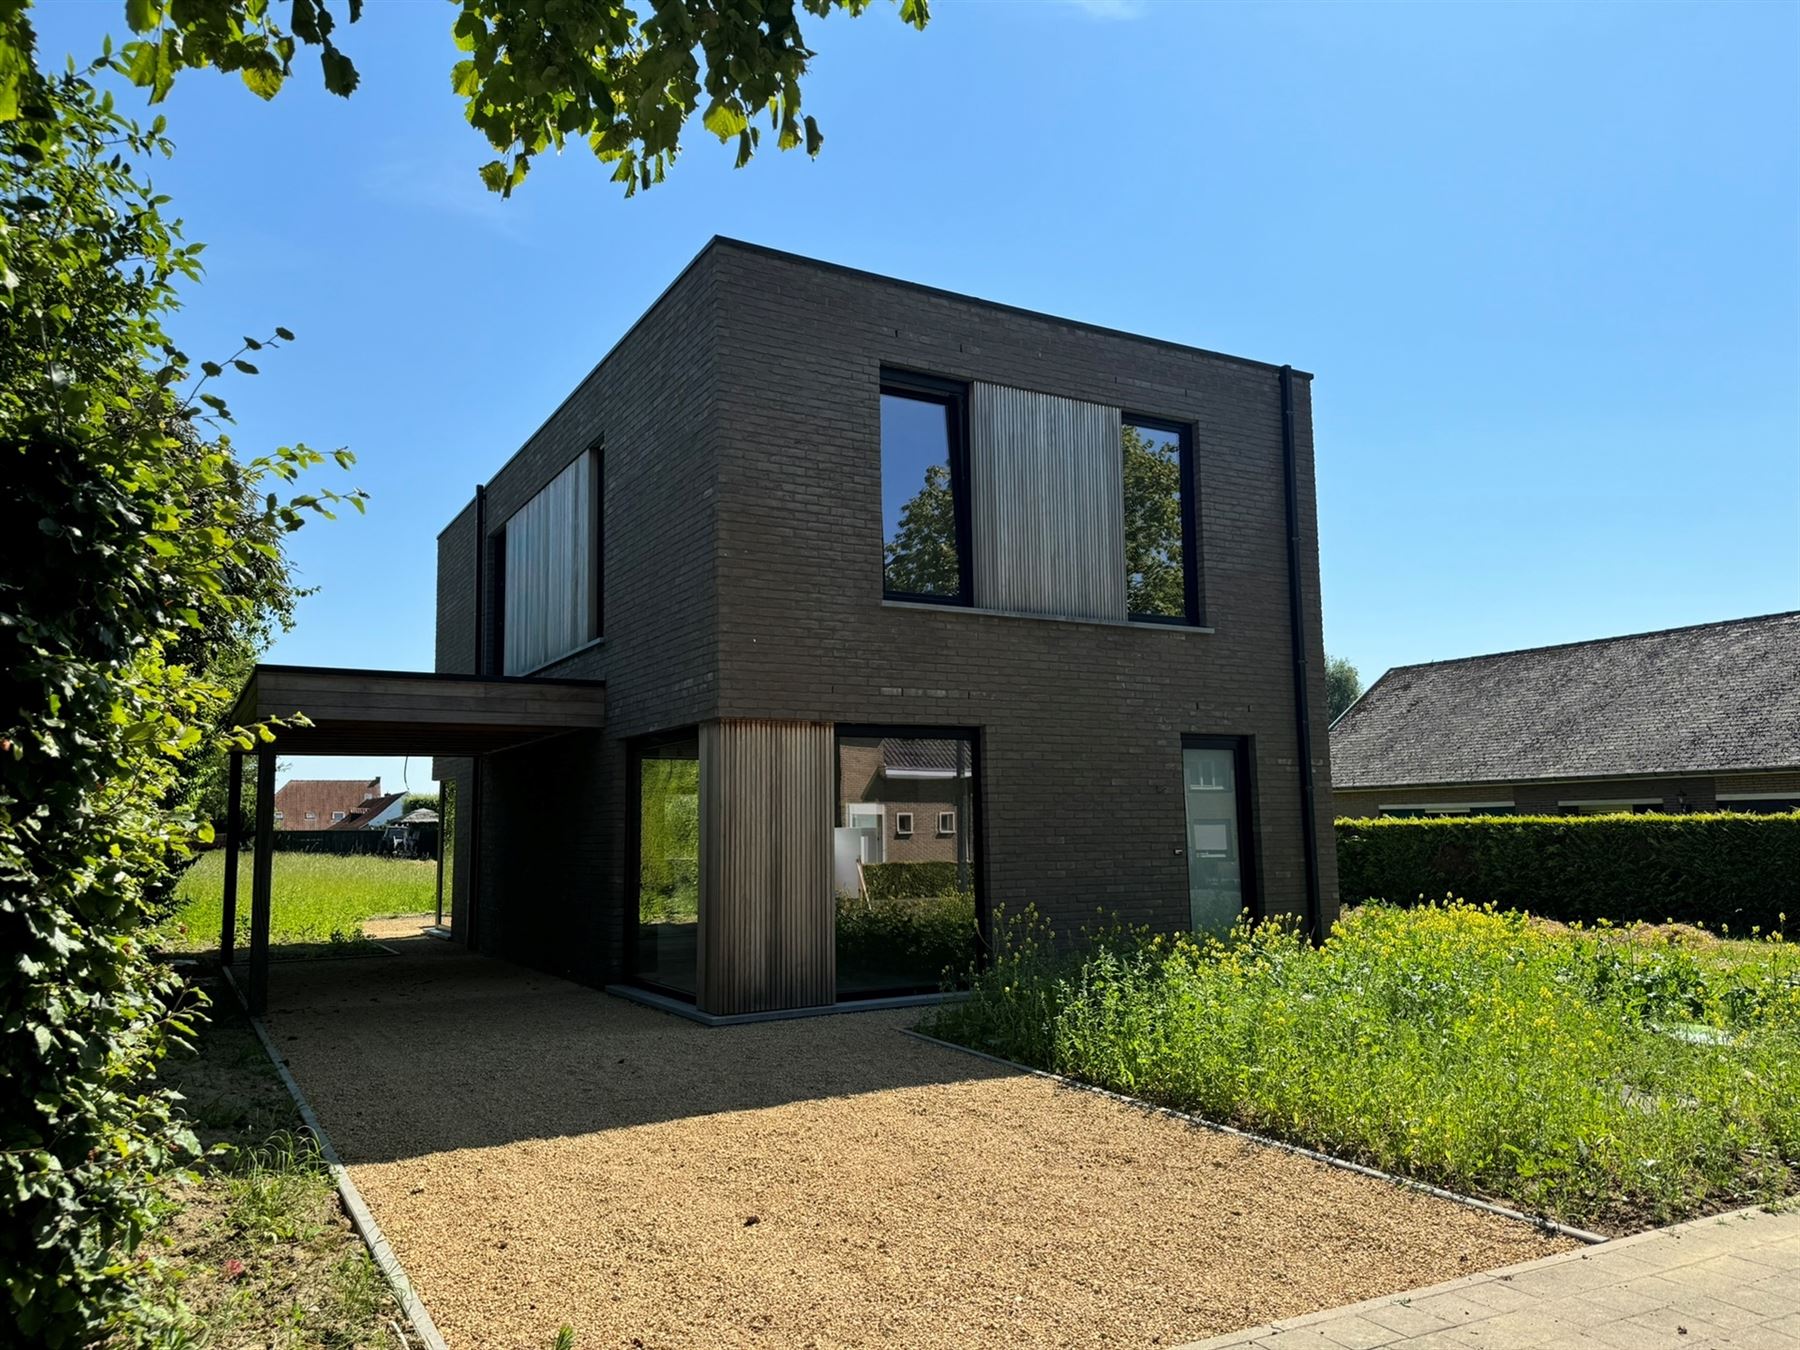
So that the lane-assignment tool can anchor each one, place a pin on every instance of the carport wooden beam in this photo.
(381, 712)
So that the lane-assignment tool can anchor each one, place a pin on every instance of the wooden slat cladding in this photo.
(1047, 499)
(550, 571)
(767, 919)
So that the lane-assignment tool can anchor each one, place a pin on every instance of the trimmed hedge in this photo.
(1715, 869)
(908, 880)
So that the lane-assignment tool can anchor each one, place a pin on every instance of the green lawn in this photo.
(1609, 1079)
(317, 898)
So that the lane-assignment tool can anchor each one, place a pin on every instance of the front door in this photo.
(1214, 782)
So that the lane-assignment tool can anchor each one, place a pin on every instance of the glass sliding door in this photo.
(666, 779)
(904, 856)
(1215, 781)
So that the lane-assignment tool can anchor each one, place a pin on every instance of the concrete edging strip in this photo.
(360, 1217)
(1536, 1221)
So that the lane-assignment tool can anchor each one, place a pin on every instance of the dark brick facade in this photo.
(743, 538)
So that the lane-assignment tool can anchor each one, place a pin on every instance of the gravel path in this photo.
(539, 1153)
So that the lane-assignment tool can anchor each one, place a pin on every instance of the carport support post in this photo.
(261, 875)
(234, 842)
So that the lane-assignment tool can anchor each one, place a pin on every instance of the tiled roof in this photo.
(911, 754)
(364, 812)
(321, 796)
(1719, 696)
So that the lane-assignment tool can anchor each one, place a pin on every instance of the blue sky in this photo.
(1544, 261)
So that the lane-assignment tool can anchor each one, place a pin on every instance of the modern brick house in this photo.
(875, 573)
(1687, 719)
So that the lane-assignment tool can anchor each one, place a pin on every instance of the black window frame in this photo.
(1243, 749)
(1193, 594)
(596, 453)
(954, 396)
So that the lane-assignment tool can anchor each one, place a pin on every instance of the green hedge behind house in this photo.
(1740, 870)
(908, 880)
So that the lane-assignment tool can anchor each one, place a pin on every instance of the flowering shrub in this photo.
(1606, 1077)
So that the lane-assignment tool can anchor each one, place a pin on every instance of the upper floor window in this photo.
(924, 495)
(550, 573)
(1161, 584)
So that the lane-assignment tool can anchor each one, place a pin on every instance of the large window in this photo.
(665, 952)
(907, 875)
(924, 504)
(1215, 780)
(1161, 582)
(549, 570)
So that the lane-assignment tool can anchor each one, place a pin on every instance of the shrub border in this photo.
(1541, 1222)
(380, 1250)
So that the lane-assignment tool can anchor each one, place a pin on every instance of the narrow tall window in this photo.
(924, 505)
(1161, 581)
(1215, 779)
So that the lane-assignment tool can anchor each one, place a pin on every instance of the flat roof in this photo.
(410, 712)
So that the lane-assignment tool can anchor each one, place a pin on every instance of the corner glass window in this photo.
(1159, 586)
(923, 502)
(906, 893)
(668, 849)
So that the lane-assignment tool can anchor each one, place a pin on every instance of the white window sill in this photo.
(1140, 624)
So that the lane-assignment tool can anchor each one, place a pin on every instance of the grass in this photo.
(318, 899)
(257, 1249)
(1612, 1079)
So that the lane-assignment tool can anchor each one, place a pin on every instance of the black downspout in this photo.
(472, 823)
(1309, 820)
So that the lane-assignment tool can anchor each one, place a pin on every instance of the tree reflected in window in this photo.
(922, 556)
(1155, 562)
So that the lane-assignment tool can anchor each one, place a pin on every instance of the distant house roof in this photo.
(364, 812)
(297, 797)
(1715, 697)
(424, 815)
(910, 757)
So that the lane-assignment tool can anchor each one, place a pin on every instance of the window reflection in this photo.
(1155, 573)
(904, 864)
(918, 496)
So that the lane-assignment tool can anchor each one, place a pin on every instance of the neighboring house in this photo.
(1688, 719)
(867, 564)
(372, 814)
(333, 803)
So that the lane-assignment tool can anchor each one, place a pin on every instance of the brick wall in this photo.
(1081, 722)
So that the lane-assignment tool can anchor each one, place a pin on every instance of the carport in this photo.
(336, 711)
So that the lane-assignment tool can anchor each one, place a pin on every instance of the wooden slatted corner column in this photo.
(261, 879)
(767, 937)
(234, 841)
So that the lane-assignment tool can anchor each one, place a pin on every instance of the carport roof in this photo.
(395, 712)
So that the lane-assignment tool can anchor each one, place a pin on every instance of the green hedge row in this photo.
(908, 880)
(1715, 870)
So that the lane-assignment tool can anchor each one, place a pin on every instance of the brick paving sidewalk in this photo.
(1732, 1280)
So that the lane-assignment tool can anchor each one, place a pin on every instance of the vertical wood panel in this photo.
(767, 935)
(1047, 497)
(550, 571)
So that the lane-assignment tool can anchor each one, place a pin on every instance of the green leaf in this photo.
(340, 73)
(245, 367)
(283, 334)
(142, 15)
(724, 120)
(263, 80)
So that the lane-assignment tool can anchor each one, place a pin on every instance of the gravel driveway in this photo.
(540, 1153)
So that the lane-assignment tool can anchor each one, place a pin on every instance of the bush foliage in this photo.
(1718, 870)
(135, 558)
(908, 880)
(1610, 1078)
